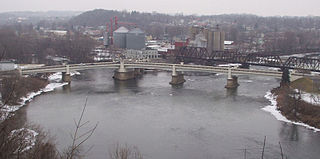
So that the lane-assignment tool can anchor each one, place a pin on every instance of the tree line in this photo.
(23, 42)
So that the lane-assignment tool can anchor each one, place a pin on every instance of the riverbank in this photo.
(21, 91)
(287, 107)
(20, 139)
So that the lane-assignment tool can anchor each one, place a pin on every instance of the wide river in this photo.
(200, 120)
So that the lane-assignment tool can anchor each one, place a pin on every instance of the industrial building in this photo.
(141, 54)
(127, 39)
(136, 39)
(120, 37)
(212, 39)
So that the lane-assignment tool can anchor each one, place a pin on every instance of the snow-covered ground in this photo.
(55, 82)
(29, 138)
(300, 55)
(230, 65)
(28, 134)
(311, 98)
(272, 108)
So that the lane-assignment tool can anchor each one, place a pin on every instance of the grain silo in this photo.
(119, 37)
(216, 41)
(222, 39)
(136, 39)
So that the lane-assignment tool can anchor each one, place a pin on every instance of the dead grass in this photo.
(297, 110)
(305, 84)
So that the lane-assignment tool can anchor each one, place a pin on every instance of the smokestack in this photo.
(116, 22)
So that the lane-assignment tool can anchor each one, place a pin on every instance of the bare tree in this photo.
(79, 138)
(125, 152)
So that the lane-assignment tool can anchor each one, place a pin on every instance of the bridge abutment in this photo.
(123, 74)
(232, 81)
(177, 77)
(66, 77)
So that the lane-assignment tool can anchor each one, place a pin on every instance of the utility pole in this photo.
(264, 144)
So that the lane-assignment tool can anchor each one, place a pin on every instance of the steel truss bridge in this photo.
(202, 56)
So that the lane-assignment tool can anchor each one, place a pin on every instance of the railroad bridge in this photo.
(202, 56)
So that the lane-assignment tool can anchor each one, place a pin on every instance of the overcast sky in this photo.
(258, 7)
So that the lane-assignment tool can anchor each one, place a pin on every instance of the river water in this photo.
(200, 120)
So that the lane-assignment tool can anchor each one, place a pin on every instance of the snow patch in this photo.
(230, 65)
(274, 69)
(54, 80)
(55, 77)
(309, 97)
(29, 138)
(272, 108)
(247, 81)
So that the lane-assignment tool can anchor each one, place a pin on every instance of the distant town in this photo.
(103, 35)
(172, 86)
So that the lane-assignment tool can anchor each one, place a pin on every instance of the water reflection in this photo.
(126, 86)
(177, 86)
(232, 93)
(290, 132)
(66, 88)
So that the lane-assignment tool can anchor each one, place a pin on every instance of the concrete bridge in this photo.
(126, 71)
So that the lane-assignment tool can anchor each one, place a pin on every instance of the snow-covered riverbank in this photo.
(272, 108)
(54, 82)
(310, 97)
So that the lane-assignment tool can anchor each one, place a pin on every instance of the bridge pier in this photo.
(66, 77)
(123, 74)
(232, 81)
(177, 78)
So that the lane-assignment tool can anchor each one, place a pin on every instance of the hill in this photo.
(100, 17)
(29, 17)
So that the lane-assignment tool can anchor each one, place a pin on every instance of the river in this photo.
(200, 120)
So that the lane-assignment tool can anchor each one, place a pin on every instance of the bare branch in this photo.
(75, 137)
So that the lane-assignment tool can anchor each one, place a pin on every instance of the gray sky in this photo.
(258, 7)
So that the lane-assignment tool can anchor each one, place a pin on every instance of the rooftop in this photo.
(136, 31)
(121, 30)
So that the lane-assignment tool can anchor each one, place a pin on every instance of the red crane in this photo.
(115, 23)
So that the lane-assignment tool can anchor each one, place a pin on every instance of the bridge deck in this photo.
(156, 66)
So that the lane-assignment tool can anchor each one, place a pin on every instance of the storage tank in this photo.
(216, 41)
(136, 39)
(119, 37)
(222, 39)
